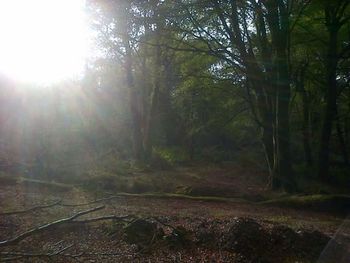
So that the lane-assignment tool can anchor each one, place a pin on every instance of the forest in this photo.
(196, 131)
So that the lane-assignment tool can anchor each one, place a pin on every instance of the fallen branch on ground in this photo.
(31, 209)
(60, 251)
(69, 220)
(102, 218)
(91, 202)
(20, 255)
(41, 228)
(57, 203)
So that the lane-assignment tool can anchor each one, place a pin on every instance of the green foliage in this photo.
(172, 155)
(203, 111)
(206, 191)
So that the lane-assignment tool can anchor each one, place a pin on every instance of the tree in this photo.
(252, 39)
(336, 15)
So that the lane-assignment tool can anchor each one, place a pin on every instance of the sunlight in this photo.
(42, 41)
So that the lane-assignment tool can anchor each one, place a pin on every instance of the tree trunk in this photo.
(278, 20)
(285, 170)
(331, 104)
(168, 116)
(341, 140)
(148, 136)
(156, 83)
(306, 129)
(135, 113)
(300, 87)
(135, 105)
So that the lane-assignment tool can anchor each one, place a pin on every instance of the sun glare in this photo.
(42, 41)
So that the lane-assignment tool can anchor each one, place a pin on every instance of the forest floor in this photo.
(167, 228)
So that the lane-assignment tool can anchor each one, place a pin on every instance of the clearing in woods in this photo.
(199, 226)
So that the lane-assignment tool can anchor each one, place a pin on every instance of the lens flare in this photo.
(43, 41)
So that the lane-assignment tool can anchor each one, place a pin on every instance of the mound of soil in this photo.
(142, 232)
(249, 239)
(257, 242)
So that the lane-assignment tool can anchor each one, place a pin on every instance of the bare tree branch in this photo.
(39, 207)
(47, 226)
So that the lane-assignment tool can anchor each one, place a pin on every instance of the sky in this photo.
(43, 41)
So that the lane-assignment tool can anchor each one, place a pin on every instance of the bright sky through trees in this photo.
(42, 41)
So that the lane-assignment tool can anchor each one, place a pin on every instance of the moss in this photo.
(187, 197)
(210, 191)
(172, 155)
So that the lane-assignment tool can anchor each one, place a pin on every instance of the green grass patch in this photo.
(171, 155)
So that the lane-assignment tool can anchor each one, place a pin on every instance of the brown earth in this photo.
(207, 225)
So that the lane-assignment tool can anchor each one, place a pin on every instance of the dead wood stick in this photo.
(21, 255)
(31, 209)
(91, 202)
(10, 259)
(86, 254)
(41, 228)
(103, 218)
(61, 250)
(57, 203)
(36, 255)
